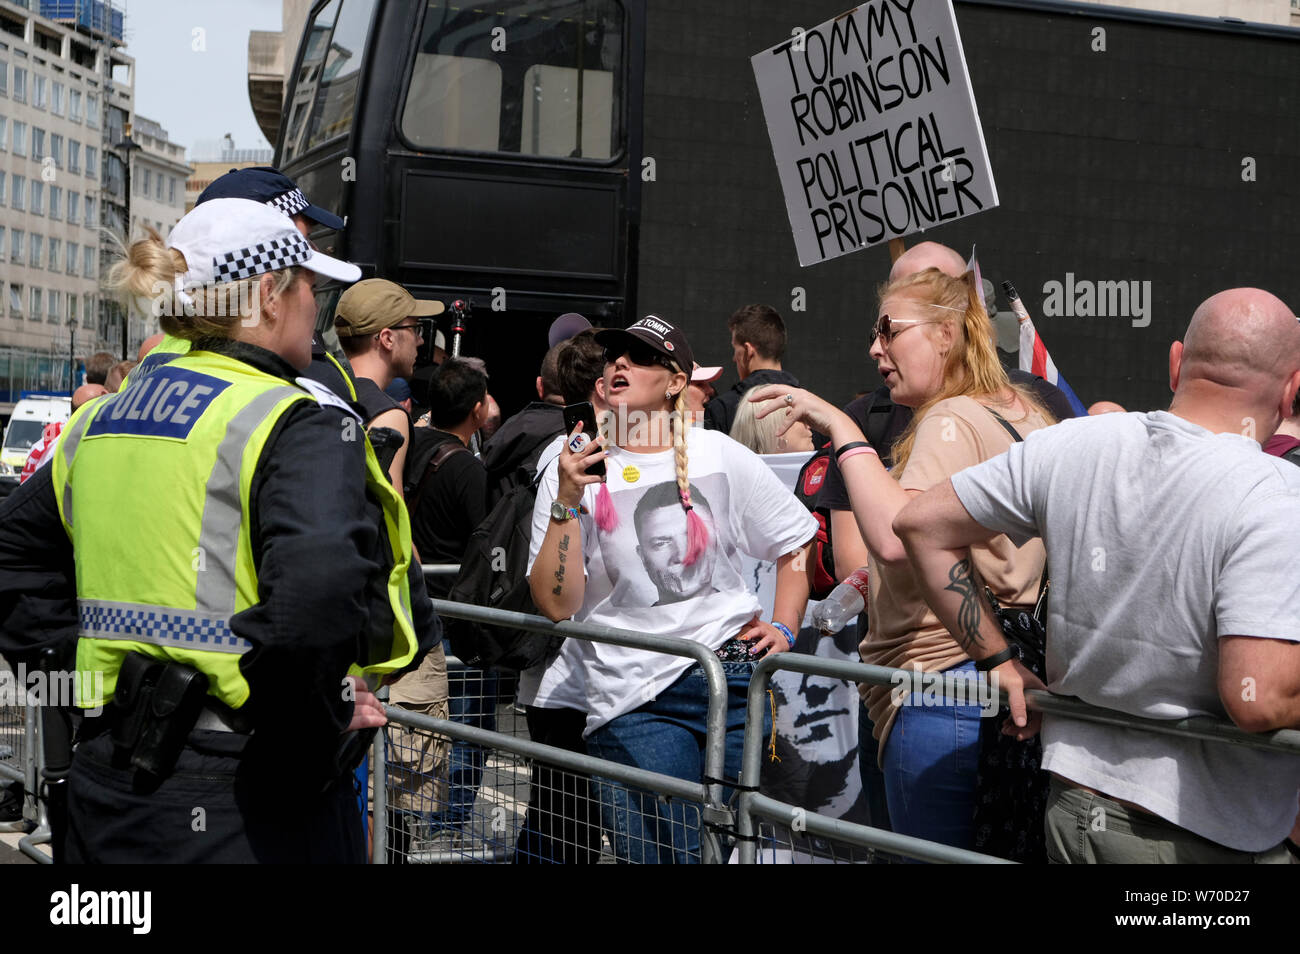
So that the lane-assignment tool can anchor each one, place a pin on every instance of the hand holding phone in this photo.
(583, 414)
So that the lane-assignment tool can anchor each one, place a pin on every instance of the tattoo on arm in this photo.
(962, 582)
(559, 572)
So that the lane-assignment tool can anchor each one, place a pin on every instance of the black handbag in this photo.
(1011, 788)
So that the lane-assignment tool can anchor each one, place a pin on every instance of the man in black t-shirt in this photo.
(449, 500)
(380, 326)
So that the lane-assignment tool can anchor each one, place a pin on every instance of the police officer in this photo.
(270, 186)
(237, 563)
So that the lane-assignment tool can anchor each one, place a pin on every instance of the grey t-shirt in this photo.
(1161, 536)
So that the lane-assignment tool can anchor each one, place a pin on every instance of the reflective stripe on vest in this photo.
(159, 625)
(223, 512)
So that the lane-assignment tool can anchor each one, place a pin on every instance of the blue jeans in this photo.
(472, 700)
(930, 764)
(667, 736)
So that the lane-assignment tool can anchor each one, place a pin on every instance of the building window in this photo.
(16, 247)
(92, 110)
(56, 150)
(74, 207)
(2, 242)
(56, 203)
(92, 161)
(56, 98)
(34, 258)
(143, 186)
(87, 262)
(38, 142)
(90, 213)
(4, 189)
(20, 85)
(54, 306)
(20, 138)
(4, 133)
(157, 187)
(4, 76)
(171, 190)
(16, 300)
(72, 308)
(35, 310)
(52, 261)
(20, 193)
(88, 311)
(38, 197)
(74, 156)
(39, 99)
(74, 105)
(70, 258)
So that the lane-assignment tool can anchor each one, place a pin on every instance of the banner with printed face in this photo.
(874, 127)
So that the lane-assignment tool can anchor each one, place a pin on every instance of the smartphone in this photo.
(586, 414)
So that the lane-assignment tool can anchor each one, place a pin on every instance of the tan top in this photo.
(955, 434)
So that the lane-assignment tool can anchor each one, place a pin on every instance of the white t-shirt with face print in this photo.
(636, 576)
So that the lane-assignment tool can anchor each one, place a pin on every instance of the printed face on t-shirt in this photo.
(661, 544)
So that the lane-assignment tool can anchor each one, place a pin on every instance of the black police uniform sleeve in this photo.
(315, 545)
(38, 591)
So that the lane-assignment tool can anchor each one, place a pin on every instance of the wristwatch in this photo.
(562, 513)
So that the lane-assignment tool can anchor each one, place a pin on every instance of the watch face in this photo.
(559, 511)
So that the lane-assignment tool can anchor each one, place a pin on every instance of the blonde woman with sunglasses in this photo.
(933, 345)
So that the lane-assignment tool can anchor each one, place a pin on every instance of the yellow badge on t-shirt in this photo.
(630, 474)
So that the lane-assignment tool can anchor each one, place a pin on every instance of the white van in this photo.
(30, 416)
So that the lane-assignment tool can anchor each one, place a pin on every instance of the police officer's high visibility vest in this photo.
(172, 347)
(153, 488)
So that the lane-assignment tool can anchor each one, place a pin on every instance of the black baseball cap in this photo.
(272, 187)
(652, 330)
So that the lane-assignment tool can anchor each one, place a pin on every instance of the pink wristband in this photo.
(854, 452)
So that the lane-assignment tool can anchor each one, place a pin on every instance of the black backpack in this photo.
(493, 573)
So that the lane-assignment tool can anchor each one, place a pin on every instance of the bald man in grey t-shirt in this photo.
(1170, 540)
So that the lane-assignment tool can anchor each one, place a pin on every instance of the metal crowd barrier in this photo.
(22, 761)
(701, 800)
(754, 806)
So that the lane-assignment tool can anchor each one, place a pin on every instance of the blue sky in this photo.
(197, 95)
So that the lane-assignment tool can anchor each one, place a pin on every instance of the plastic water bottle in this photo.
(844, 604)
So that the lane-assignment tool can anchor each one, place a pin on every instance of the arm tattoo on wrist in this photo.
(961, 581)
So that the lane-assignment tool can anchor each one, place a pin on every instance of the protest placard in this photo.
(874, 127)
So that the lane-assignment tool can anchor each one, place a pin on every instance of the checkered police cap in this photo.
(291, 203)
(226, 240)
(262, 257)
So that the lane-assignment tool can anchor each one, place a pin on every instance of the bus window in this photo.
(325, 94)
(518, 76)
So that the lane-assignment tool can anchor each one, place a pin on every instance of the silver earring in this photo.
(668, 395)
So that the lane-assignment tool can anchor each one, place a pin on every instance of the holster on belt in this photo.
(156, 704)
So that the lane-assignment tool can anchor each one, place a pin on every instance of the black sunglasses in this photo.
(640, 354)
